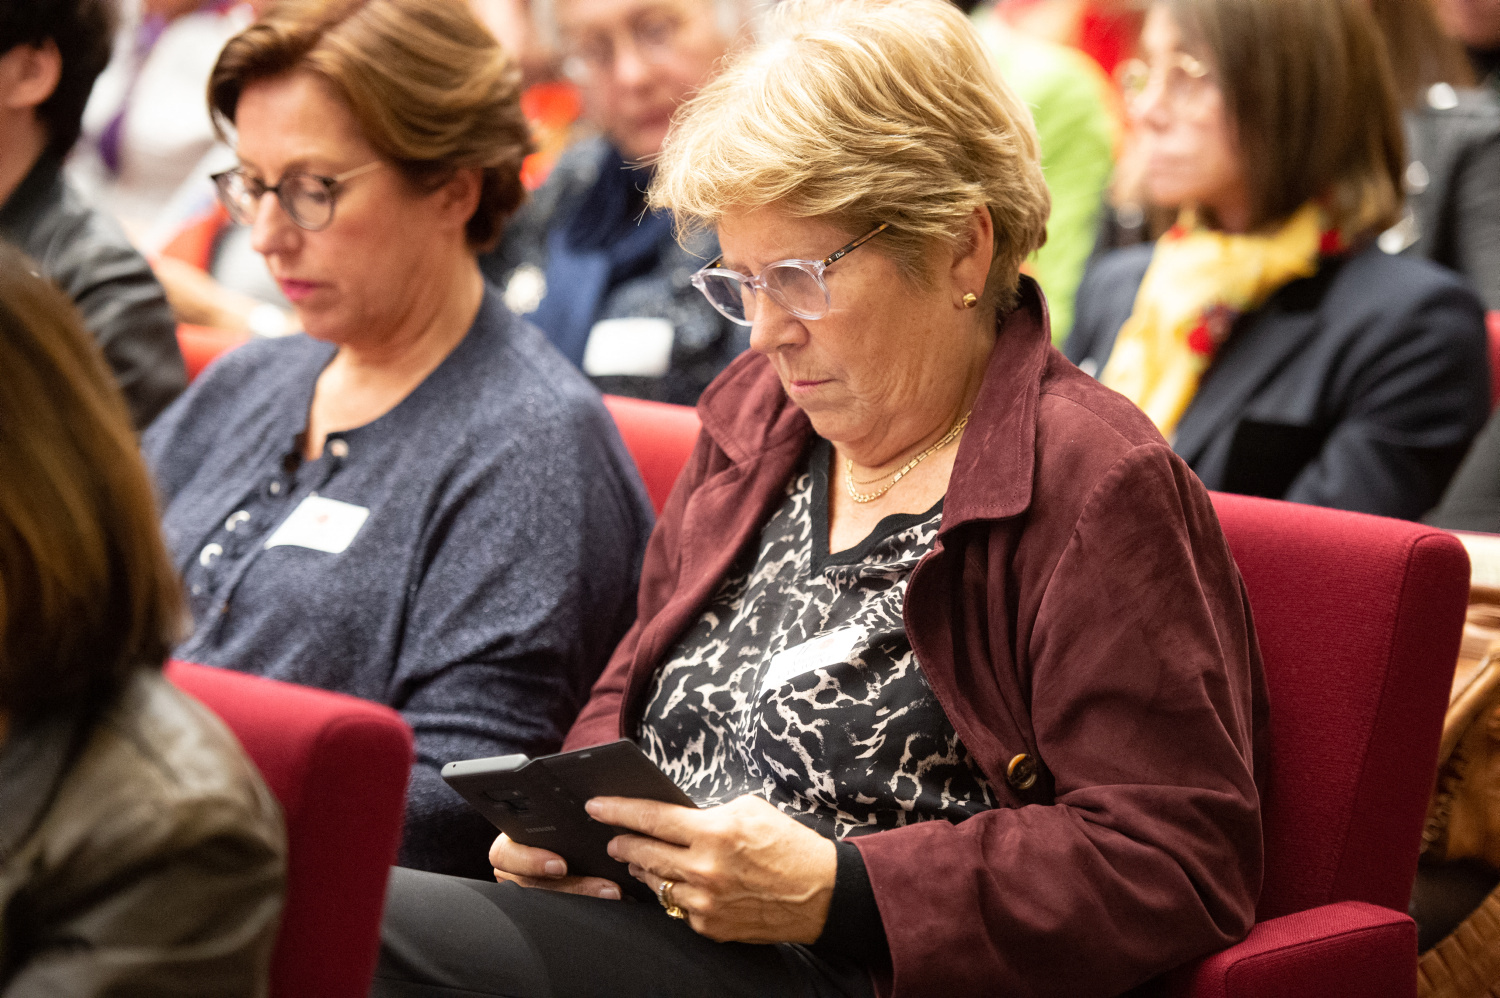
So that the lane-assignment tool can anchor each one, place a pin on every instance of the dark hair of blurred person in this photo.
(81, 31)
(586, 260)
(418, 501)
(139, 850)
(50, 53)
(86, 591)
(1271, 341)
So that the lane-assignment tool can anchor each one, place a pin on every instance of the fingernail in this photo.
(591, 808)
(555, 868)
(609, 847)
(610, 893)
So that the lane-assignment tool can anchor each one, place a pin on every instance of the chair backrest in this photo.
(1359, 620)
(202, 345)
(339, 767)
(659, 436)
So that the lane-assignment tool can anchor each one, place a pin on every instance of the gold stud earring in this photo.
(970, 300)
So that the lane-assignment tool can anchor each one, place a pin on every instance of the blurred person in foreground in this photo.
(418, 502)
(140, 852)
(1271, 341)
(587, 260)
(940, 634)
(50, 53)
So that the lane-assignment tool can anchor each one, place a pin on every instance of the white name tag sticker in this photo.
(320, 524)
(825, 649)
(636, 346)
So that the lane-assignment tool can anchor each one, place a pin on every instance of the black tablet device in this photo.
(539, 802)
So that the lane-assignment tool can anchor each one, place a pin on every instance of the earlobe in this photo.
(462, 193)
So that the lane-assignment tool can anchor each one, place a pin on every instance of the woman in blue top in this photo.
(419, 502)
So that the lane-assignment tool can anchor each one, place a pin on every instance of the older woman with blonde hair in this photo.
(419, 502)
(939, 634)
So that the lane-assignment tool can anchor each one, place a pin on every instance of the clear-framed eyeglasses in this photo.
(307, 198)
(795, 285)
(1184, 79)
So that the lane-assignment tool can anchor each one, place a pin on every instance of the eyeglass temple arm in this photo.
(841, 253)
(350, 174)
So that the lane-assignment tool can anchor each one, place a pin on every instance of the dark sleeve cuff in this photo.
(853, 930)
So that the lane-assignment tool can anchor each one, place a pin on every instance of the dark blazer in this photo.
(1358, 388)
(1074, 548)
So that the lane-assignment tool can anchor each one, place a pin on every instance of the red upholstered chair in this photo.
(202, 345)
(339, 767)
(659, 436)
(1359, 620)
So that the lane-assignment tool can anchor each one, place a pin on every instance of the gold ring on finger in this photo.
(664, 895)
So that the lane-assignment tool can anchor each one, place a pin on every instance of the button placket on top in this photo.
(241, 536)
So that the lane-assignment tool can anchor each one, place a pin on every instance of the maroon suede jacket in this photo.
(1080, 607)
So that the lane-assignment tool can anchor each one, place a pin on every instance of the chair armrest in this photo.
(1345, 950)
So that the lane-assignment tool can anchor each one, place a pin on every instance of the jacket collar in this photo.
(42, 188)
(748, 415)
(33, 760)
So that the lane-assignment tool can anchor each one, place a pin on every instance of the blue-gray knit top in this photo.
(494, 525)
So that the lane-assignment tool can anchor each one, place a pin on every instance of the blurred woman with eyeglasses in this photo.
(587, 261)
(417, 502)
(1278, 348)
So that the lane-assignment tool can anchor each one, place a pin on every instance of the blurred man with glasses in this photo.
(584, 260)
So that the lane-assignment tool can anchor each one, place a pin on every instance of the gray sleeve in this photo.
(527, 583)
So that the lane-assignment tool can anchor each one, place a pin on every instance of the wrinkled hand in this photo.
(743, 871)
(533, 867)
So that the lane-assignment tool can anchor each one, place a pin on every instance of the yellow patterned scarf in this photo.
(1198, 283)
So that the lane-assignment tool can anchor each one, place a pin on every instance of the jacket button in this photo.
(1021, 773)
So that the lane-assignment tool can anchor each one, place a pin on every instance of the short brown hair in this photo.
(862, 113)
(1308, 86)
(431, 89)
(87, 592)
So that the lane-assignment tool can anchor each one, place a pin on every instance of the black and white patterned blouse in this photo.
(798, 682)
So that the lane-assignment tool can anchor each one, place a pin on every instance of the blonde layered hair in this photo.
(862, 112)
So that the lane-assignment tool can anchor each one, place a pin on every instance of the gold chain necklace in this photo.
(863, 497)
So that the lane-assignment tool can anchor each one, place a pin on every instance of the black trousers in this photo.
(455, 937)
